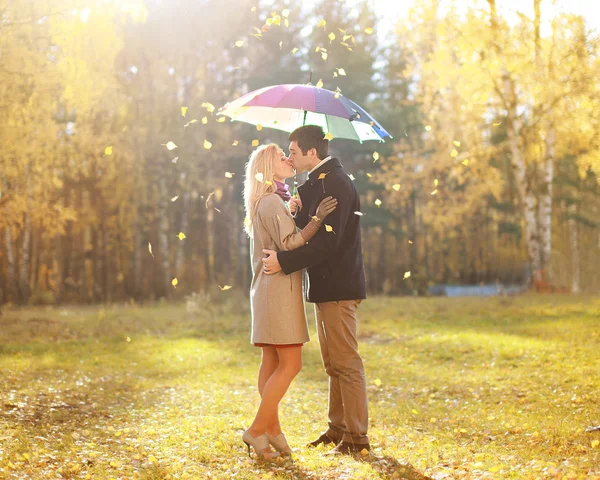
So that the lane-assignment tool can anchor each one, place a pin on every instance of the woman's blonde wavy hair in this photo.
(261, 160)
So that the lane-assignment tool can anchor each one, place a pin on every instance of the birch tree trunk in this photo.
(574, 241)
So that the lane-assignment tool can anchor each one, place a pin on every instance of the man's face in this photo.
(300, 162)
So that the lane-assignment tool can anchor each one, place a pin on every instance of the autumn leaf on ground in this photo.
(225, 287)
(181, 235)
(465, 162)
(170, 145)
(207, 145)
(209, 106)
(183, 111)
(377, 382)
(406, 275)
(108, 150)
(150, 248)
(454, 153)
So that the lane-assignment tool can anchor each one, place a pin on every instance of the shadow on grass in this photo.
(389, 466)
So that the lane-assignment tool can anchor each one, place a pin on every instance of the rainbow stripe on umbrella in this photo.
(287, 107)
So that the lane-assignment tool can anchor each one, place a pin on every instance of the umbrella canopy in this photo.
(287, 107)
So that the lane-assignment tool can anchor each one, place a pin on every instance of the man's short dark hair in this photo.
(311, 136)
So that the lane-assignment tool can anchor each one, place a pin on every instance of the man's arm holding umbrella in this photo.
(321, 246)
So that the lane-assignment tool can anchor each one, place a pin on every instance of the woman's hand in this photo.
(327, 205)
(295, 205)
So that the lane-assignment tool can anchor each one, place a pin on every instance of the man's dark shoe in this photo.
(323, 440)
(347, 448)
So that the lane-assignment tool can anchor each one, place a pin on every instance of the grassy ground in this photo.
(459, 388)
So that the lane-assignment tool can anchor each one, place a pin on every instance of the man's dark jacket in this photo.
(333, 259)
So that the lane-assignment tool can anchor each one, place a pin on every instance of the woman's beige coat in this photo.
(277, 302)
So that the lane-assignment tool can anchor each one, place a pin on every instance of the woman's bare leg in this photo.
(290, 364)
(269, 363)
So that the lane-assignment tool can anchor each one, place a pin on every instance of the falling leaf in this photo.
(331, 37)
(175, 198)
(378, 202)
(229, 175)
(324, 55)
(496, 124)
(335, 74)
(221, 119)
(375, 156)
(432, 420)
(152, 458)
(341, 71)
(369, 175)
(364, 452)
(377, 382)
(320, 83)
(351, 177)
(407, 275)
(150, 248)
(235, 143)
(281, 45)
(434, 192)
(415, 412)
(465, 162)
(294, 50)
(328, 136)
(225, 287)
(268, 182)
(454, 153)
(317, 50)
(255, 143)
(183, 111)
(435, 182)
(338, 92)
(322, 176)
(208, 198)
(595, 443)
(277, 20)
(128, 339)
(427, 128)
(190, 122)
(207, 144)
(181, 236)
(171, 146)
(285, 13)
(204, 120)
(322, 23)
(175, 160)
(396, 187)
(259, 127)
(174, 282)
(259, 176)
(410, 241)
(368, 31)
(360, 214)
(239, 43)
(108, 151)
(209, 106)
(456, 143)
(253, 9)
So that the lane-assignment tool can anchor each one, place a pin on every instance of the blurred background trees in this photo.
(493, 174)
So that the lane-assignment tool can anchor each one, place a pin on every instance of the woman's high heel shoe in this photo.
(260, 444)
(280, 443)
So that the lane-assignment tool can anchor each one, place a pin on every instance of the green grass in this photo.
(470, 388)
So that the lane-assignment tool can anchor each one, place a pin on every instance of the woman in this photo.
(279, 325)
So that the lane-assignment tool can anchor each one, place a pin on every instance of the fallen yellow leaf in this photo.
(377, 382)
(465, 162)
(108, 151)
(454, 153)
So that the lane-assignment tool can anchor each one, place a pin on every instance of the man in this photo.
(337, 284)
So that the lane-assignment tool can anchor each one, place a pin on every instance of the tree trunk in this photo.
(163, 236)
(574, 240)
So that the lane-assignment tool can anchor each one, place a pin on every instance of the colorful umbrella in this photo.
(287, 107)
